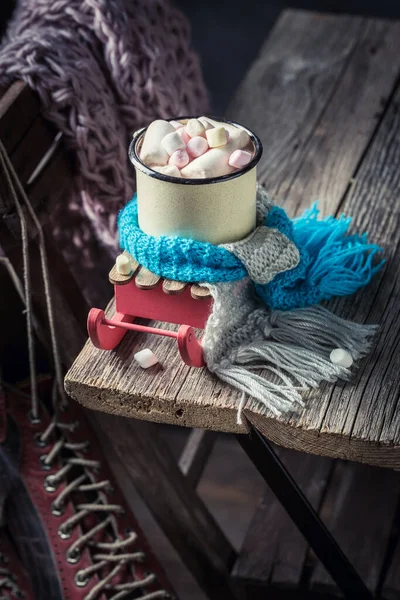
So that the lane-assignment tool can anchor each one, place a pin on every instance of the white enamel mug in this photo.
(216, 210)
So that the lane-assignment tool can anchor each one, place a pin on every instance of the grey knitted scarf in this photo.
(274, 356)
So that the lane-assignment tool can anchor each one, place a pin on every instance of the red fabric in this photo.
(34, 476)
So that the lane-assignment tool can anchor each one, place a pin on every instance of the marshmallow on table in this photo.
(216, 137)
(341, 357)
(172, 142)
(239, 159)
(179, 158)
(194, 128)
(152, 152)
(196, 146)
(170, 170)
(146, 358)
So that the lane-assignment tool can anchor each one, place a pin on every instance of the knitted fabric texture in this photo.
(102, 69)
(292, 264)
(264, 290)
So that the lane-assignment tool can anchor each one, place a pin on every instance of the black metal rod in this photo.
(303, 515)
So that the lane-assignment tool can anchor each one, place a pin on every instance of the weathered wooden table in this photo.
(324, 98)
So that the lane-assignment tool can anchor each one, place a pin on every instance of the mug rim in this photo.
(138, 164)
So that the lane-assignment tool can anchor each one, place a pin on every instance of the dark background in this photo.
(228, 34)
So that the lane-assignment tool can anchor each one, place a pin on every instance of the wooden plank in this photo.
(19, 107)
(195, 454)
(315, 95)
(333, 424)
(173, 287)
(361, 419)
(118, 278)
(370, 409)
(98, 378)
(274, 551)
(187, 523)
(359, 509)
(199, 292)
(146, 280)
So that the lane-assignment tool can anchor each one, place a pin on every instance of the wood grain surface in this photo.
(173, 287)
(323, 96)
(146, 280)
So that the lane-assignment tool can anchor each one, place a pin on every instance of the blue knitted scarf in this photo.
(292, 265)
(331, 262)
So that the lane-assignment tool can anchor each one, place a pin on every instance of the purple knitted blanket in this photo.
(102, 69)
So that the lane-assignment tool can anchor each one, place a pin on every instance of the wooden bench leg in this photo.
(303, 515)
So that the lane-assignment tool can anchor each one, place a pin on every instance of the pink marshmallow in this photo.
(184, 134)
(197, 146)
(179, 158)
(239, 159)
(176, 124)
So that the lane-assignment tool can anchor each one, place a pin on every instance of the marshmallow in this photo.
(240, 137)
(123, 264)
(146, 358)
(213, 163)
(216, 137)
(194, 128)
(152, 152)
(341, 357)
(206, 123)
(239, 159)
(201, 148)
(197, 146)
(170, 170)
(184, 134)
(179, 158)
(172, 142)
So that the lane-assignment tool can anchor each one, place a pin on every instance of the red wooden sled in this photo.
(141, 294)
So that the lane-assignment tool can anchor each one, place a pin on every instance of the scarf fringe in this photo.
(341, 263)
(295, 350)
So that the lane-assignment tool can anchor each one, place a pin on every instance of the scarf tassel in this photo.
(333, 263)
(295, 350)
(340, 263)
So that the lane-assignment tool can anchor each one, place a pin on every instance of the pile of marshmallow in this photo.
(198, 149)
